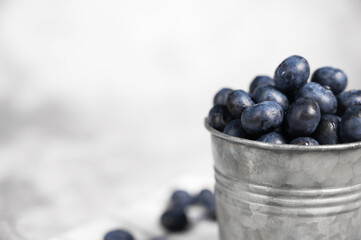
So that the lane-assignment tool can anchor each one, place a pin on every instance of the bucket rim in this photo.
(280, 147)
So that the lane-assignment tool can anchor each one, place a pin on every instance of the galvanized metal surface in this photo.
(286, 192)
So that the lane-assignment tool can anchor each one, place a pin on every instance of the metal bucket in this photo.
(286, 192)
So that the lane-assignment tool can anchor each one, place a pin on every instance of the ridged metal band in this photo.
(270, 200)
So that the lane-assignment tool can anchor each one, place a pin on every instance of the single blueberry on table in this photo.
(234, 128)
(221, 97)
(268, 93)
(350, 128)
(335, 78)
(347, 99)
(260, 81)
(327, 130)
(307, 141)
(272, 137)
(218, 117)
(181, 199)
(292, 74)
(262, 118)
(237, 101)
(174, 220)
(206, 198)
(118, 235)
(303, 117)
(324, 97)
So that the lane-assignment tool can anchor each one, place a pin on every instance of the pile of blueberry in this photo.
(287, 109)
(175, 219)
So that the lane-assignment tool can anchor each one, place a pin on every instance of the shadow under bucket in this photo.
(286, 192)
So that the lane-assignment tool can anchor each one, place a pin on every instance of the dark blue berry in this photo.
(272, 137)
(303, 117)
(118, 235)
(262, 118)
(280, 130)
(335, 78)
(268, 93)
(206, 198)
(237, 101)
(234, 128)
(181, 199)
(350, 128)
(324, 97)
(292, 74)
(221, 97)
(347, 99)
(218, 117)
(260, 81)
(292, 96)
(174, 220)
(307, 141)
(327, 130)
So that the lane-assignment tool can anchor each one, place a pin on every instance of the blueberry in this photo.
(292, 74)
(118, 235)
(272, 137)
(280, 130)
(303, 117)
(218, 117)
(347, 99)
(206, 198)
(262, 118)
(237, 101)
(181, 199)
(221, 97)
(324, 97)
(327, 130)
(174, 220)
(350, 128)
(335, 78)
(307, 141)
(234, 128)
(292, 96)
(260, 81)
(268, 93)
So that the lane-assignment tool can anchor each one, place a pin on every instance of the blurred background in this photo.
(103, 102)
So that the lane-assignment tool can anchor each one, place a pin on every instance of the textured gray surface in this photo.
(141, 218)
(278, 192)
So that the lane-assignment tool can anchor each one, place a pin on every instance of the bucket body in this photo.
(286, 192)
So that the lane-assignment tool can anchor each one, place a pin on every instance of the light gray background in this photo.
(102, 102)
